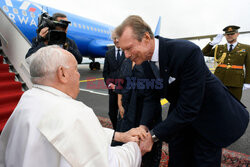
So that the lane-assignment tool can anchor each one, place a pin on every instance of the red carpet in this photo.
(229, 158)
(10, 92)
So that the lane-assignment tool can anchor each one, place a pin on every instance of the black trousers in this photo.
(113, 108)
(189, 149)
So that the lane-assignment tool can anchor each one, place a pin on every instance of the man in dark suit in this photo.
(113, 60)
(141, 107)
(203, 116)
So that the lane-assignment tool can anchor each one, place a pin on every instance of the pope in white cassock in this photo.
(49, 128)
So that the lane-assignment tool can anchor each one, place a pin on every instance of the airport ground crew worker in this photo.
(231, 58)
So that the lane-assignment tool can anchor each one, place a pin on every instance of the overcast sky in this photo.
(180, 18)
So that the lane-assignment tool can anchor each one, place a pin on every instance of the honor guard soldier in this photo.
(231, 58)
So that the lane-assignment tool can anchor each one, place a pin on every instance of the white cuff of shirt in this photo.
(109, 85)
(246, 86)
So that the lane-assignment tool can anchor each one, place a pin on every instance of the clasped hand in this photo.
(144, 138)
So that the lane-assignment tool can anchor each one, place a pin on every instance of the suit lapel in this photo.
(112, 59)
(163, 59)
(147, 70)
(112, 56)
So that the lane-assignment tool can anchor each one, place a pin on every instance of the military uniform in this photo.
(230, 66)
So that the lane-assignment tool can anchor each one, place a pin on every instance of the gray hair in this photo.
(138, 25)
(45, 63)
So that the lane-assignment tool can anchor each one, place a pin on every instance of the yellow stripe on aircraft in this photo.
(89, 80)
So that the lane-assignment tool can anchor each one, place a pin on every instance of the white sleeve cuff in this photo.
(246, 86)
(127, 155)
(110, 134)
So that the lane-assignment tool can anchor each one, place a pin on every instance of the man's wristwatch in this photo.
(154, 138)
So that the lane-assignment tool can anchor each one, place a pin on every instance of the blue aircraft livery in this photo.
(91, 37)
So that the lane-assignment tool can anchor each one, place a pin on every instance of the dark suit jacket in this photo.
(111, 67)
(142, 106)
(197, 97)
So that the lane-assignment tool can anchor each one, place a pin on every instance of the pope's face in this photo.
(73, 76)
(136, 51)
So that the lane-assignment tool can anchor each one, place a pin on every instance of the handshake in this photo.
(140, 135)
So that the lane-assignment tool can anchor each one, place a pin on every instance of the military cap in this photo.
(231, 29)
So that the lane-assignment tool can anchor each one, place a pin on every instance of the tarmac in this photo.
(94, 94)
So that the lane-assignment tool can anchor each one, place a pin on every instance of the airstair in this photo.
(14, 71)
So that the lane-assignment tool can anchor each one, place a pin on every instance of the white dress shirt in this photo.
(234, 45)
(155, 57)
(116, 51)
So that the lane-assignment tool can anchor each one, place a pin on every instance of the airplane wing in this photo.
(208, 36)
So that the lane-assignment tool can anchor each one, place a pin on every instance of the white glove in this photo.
(246, 86)
(217, 39)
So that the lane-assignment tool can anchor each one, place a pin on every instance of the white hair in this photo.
(45, 63)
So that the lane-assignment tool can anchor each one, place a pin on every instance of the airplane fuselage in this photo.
(91, 37)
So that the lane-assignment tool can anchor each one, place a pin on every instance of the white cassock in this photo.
(50, 129)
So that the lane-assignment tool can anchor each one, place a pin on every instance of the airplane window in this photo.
(74, 24)
(24, 13)
(88, 27)
(95, 29)
(79, 25)
(5, 8)
(98, 30)
(91, 28)
(15, 11)
(83, 26)
(105, 31)
(101, 30)
(32, 15)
